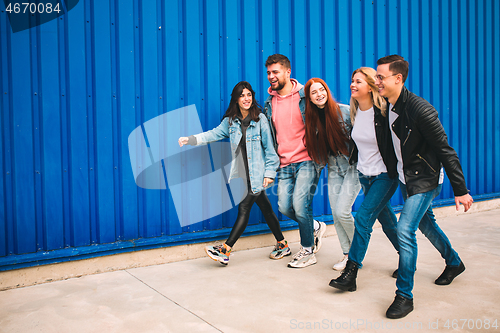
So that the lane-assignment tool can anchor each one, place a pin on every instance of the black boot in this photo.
(347, 280)
(400, 307)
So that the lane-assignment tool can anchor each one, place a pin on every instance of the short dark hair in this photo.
(398, 64)
(278, 58)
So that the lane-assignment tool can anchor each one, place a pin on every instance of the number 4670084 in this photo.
(32, 7)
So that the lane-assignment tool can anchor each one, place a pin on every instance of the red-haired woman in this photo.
(327, 139)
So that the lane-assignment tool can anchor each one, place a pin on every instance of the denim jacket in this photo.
(346, 117)
(262, 158)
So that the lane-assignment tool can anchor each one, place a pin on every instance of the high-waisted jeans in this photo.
(378, 191)
(343, 188)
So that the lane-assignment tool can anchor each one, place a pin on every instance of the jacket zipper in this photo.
(423, 159)
(409, 132)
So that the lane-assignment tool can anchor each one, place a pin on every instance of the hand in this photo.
(465, 200)
(267, 182)
(183, 141)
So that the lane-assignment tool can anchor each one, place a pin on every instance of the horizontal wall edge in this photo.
(12, 262)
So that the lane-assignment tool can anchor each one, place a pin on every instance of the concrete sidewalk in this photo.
(256, 294)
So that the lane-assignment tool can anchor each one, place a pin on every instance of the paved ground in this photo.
(256, 294)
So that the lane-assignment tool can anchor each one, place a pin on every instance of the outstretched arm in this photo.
(218, 133)
(183, 140)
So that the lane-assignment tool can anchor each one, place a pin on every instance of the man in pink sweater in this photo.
(298, 175)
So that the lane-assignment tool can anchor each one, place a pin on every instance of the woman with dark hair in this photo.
(251, 141)
(328, 127)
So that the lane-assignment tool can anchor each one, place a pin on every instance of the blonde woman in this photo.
(373, 150)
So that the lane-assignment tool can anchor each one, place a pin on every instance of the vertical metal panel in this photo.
(494, 129)
(73, 89)
(477, 87)
(148, 28)
(473, 117)
(212, 101)
(50, 137)
(171, 41)
(5, 203)
(79, 164)
(21, 110)
(491, 60)
(126, 113)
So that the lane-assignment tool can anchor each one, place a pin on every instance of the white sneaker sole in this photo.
(302, 264)
(321, 233)
(338, 267)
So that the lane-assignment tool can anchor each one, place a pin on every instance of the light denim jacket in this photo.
(262, 158)
(346, 116)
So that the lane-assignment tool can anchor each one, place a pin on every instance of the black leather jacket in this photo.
(424, 146)
(384, 142)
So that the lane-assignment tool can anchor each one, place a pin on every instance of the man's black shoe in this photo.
(400, 307)
(347, 280)
(449, 273)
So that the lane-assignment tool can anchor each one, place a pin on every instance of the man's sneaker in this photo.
(400, 307)
(317, 236)
(280, 250)
(303, 258)
(219, 253)
(450, 273)
(341, 264)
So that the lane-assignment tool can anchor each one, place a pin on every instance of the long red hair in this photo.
(317, 136)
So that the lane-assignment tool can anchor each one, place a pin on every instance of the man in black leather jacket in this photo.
(421, 146)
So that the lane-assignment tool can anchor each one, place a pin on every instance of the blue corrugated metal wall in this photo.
(74, 88)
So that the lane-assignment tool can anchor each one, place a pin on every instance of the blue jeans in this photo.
(417, 214)
(343, 188)
(378, 192)
(297, 184)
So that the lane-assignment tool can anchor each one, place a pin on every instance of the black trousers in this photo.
(244, 208)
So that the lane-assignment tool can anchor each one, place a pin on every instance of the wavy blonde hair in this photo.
(377, 100)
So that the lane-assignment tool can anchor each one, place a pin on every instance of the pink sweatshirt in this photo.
(290, 127)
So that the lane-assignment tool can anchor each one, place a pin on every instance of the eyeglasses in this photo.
(381, 77)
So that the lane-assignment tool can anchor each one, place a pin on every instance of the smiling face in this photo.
(245, 100)
(318, 95)
(389, 84)
(278, 76)
(360, 89)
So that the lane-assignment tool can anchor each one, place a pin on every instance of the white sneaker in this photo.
(317, 236)
(302, 259)
(341, 264)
